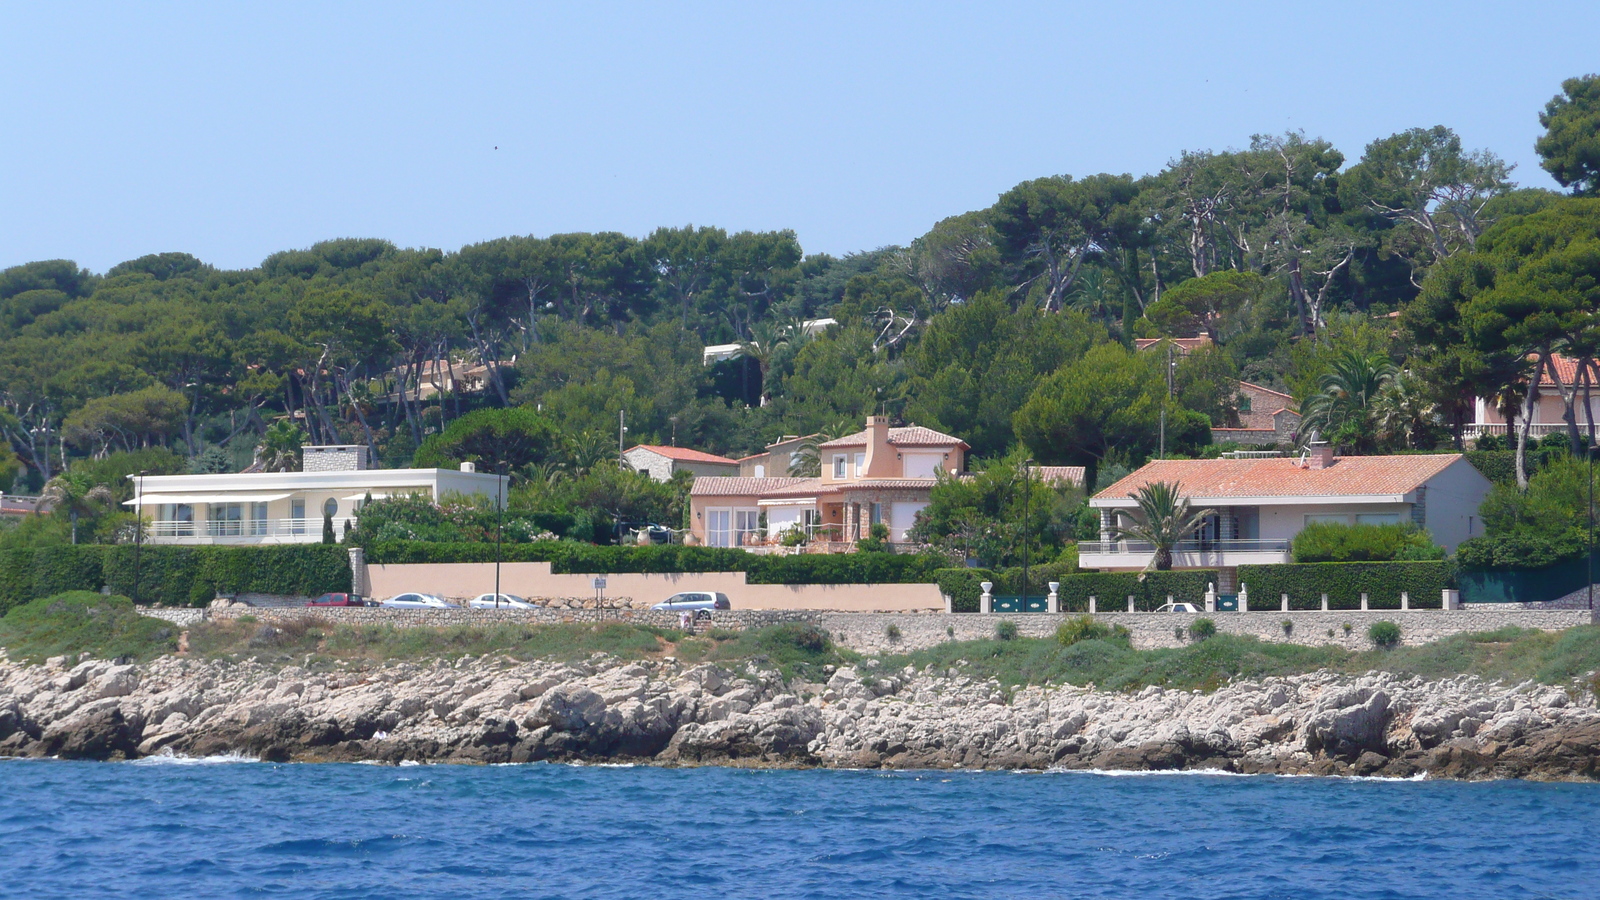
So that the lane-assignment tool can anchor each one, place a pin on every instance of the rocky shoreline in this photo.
(492, 710)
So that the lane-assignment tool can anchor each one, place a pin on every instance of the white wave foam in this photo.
(168, 758)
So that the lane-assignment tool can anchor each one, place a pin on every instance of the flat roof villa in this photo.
(288, 507)
(1262, 503)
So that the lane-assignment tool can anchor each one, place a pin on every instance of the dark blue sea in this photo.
(197, 830)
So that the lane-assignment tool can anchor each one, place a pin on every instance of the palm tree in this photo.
(279, 450)
(77, 495)
(807, 459)
(1167, 520)
(1404, 415)
(1347, 395)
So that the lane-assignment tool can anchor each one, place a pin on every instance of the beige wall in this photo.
(467, 580)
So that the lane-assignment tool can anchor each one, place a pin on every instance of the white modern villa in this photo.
(289, 507)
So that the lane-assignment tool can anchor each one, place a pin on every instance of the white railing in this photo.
(1537, 429)
(241, 528)
(1143, 547)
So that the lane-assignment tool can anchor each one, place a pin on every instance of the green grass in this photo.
(83, 622)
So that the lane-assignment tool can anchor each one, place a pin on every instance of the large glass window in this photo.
(258, 518)
(719, 527)
(838, 466)
(745, 522)
(1378, 519)
(226, 520)
(297, 516)
(861, 459)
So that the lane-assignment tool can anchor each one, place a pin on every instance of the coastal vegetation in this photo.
(1082, 652)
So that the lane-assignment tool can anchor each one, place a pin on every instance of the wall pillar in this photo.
(1363, 601)
(359, 583)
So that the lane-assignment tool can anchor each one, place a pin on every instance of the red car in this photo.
(338, 600)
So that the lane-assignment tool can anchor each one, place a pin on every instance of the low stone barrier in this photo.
(901, 632)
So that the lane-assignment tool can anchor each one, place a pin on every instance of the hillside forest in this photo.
(1383, 290)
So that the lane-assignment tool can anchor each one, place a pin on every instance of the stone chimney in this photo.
(1320, 456)
(880, 461)
(334, 458)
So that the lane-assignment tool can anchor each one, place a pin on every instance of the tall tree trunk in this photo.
(1529, 403)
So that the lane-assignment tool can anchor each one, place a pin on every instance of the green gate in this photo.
(1017, 603)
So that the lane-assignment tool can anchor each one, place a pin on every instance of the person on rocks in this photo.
(686, 622)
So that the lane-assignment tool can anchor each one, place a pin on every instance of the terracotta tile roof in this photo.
(802, 487)
(885, 484)
(732, 486)
(1566, 367)
(1349, 476)
(1288, 399)
(908, 436)
(1072, 474)
(684, 454)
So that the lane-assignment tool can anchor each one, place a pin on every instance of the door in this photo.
(719, 527)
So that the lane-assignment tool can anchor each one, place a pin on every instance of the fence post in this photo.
(1363, 601)
(1405, 600)
(1054, 599)
(1211, 597)
(1244, 597)
(1324, 602)
(359, 583)
(1091, 604)
(986, 599)
(1285, 602)
(1450, 599)
(1130, 603)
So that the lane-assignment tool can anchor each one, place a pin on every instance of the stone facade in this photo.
(334, 458)
(870, 632)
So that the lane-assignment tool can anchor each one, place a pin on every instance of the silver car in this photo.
(507, 601)
(693, 601)
(417, 601)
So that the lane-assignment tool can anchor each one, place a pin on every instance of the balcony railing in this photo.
(240, 528)
(1087, 548)
(1537, 429)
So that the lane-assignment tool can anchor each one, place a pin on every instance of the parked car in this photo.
(1178, 608)
(417, 601)
(692, 601)
(341, 600)
(507, 601)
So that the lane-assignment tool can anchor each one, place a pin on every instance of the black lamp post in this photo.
(499, 518)
(1589, 452)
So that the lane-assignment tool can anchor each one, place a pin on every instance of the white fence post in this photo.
(1130, 603)
(1405, 600)
(1363, 601)
(1244, 597)
(1284, 600)
(1324, 602)
(1091, 604)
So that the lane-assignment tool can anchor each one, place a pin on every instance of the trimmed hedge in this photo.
(569, 557)
(964, 587)
(1344, 583)
(1112, 589)
(172, 576)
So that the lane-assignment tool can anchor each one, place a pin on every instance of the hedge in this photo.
(1110, 589)
(570, 557)
(1344, 583)
(172, 576)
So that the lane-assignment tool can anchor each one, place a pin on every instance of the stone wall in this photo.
(870, 632)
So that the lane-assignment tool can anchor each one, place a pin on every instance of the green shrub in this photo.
(1344, 583)
(1338, 542)
(892, 632)
(1202, 628)
(1385, 634)
(1005, 630)
(82, 622)
(1519, 550)
(1081, 628)
(964, 587)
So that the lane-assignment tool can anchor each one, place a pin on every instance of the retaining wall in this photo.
(459, 581)
(869, 632)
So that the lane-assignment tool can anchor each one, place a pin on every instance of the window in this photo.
(838, 466)
(258, 518)
(761, 471)
(745, 522)
(1378, 519)
(861, 458)
(876, 514)
(1244, 403)
(719, 527)
(297, 516)
(177, 520)
(226, 520)
(330, 507)
(1326, 517)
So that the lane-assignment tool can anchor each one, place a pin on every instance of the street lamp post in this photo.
(1027, 495)
(1589, 452)
(499, 520)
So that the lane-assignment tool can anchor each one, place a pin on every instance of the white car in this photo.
(1178, 608)
(417, 601)
(507, 601)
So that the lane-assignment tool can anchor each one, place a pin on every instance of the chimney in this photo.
(1320, 456)
(880, 456)
(469, 467)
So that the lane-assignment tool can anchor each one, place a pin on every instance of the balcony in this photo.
(235, 531)
(1187, 555)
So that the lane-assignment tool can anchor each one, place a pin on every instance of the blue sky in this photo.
(232, 131)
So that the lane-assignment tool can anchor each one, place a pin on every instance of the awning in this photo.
(191, 499)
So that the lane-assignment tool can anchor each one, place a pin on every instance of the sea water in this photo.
(231, 828)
